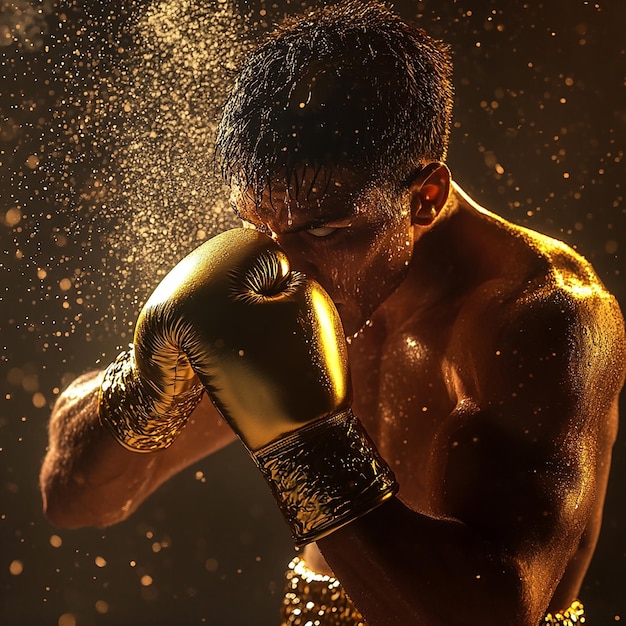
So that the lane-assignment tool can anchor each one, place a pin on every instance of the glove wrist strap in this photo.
(128, 409)
(325, 475)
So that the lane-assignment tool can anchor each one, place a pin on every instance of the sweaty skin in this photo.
(486, 363)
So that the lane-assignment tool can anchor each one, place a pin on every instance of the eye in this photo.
(329, 228)
(322, 231)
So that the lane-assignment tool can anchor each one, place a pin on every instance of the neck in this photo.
(432, 274)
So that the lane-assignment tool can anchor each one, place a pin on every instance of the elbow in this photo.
(60, 505)
(68, 506)
(521, 600)
(61, 513)
(70, 512)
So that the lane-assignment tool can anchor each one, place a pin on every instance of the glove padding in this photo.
(268, 346)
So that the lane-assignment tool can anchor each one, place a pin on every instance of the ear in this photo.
(429, 193)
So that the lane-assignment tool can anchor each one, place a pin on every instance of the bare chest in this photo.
(401, 397)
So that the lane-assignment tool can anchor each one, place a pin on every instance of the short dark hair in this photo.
(350, 85)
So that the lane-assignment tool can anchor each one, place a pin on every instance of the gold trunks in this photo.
(313, 599)
(574, 615)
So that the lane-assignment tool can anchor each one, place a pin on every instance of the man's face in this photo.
(355, 239)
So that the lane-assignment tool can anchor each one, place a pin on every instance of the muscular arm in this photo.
(520, 468)
(401, 566)
(89, 479)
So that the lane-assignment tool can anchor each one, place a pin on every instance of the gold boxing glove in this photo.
(268, 346)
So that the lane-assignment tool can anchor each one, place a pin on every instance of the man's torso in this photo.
(409, 377)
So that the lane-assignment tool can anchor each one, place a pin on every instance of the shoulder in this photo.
(535, 366)
(548, 331)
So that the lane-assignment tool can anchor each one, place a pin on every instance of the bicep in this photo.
(527, 494)
(519, 458)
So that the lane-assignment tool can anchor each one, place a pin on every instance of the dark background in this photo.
(106, 118)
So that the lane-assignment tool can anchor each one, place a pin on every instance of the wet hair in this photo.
(348, 85)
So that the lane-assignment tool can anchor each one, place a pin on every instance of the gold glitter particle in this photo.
(102, 607)
(67, 619)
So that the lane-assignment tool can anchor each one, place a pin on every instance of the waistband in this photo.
(312, 598)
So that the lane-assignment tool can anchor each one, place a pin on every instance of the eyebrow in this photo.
(275, 200)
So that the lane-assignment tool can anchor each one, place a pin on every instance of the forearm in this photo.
(401, 567)
(87, 478)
